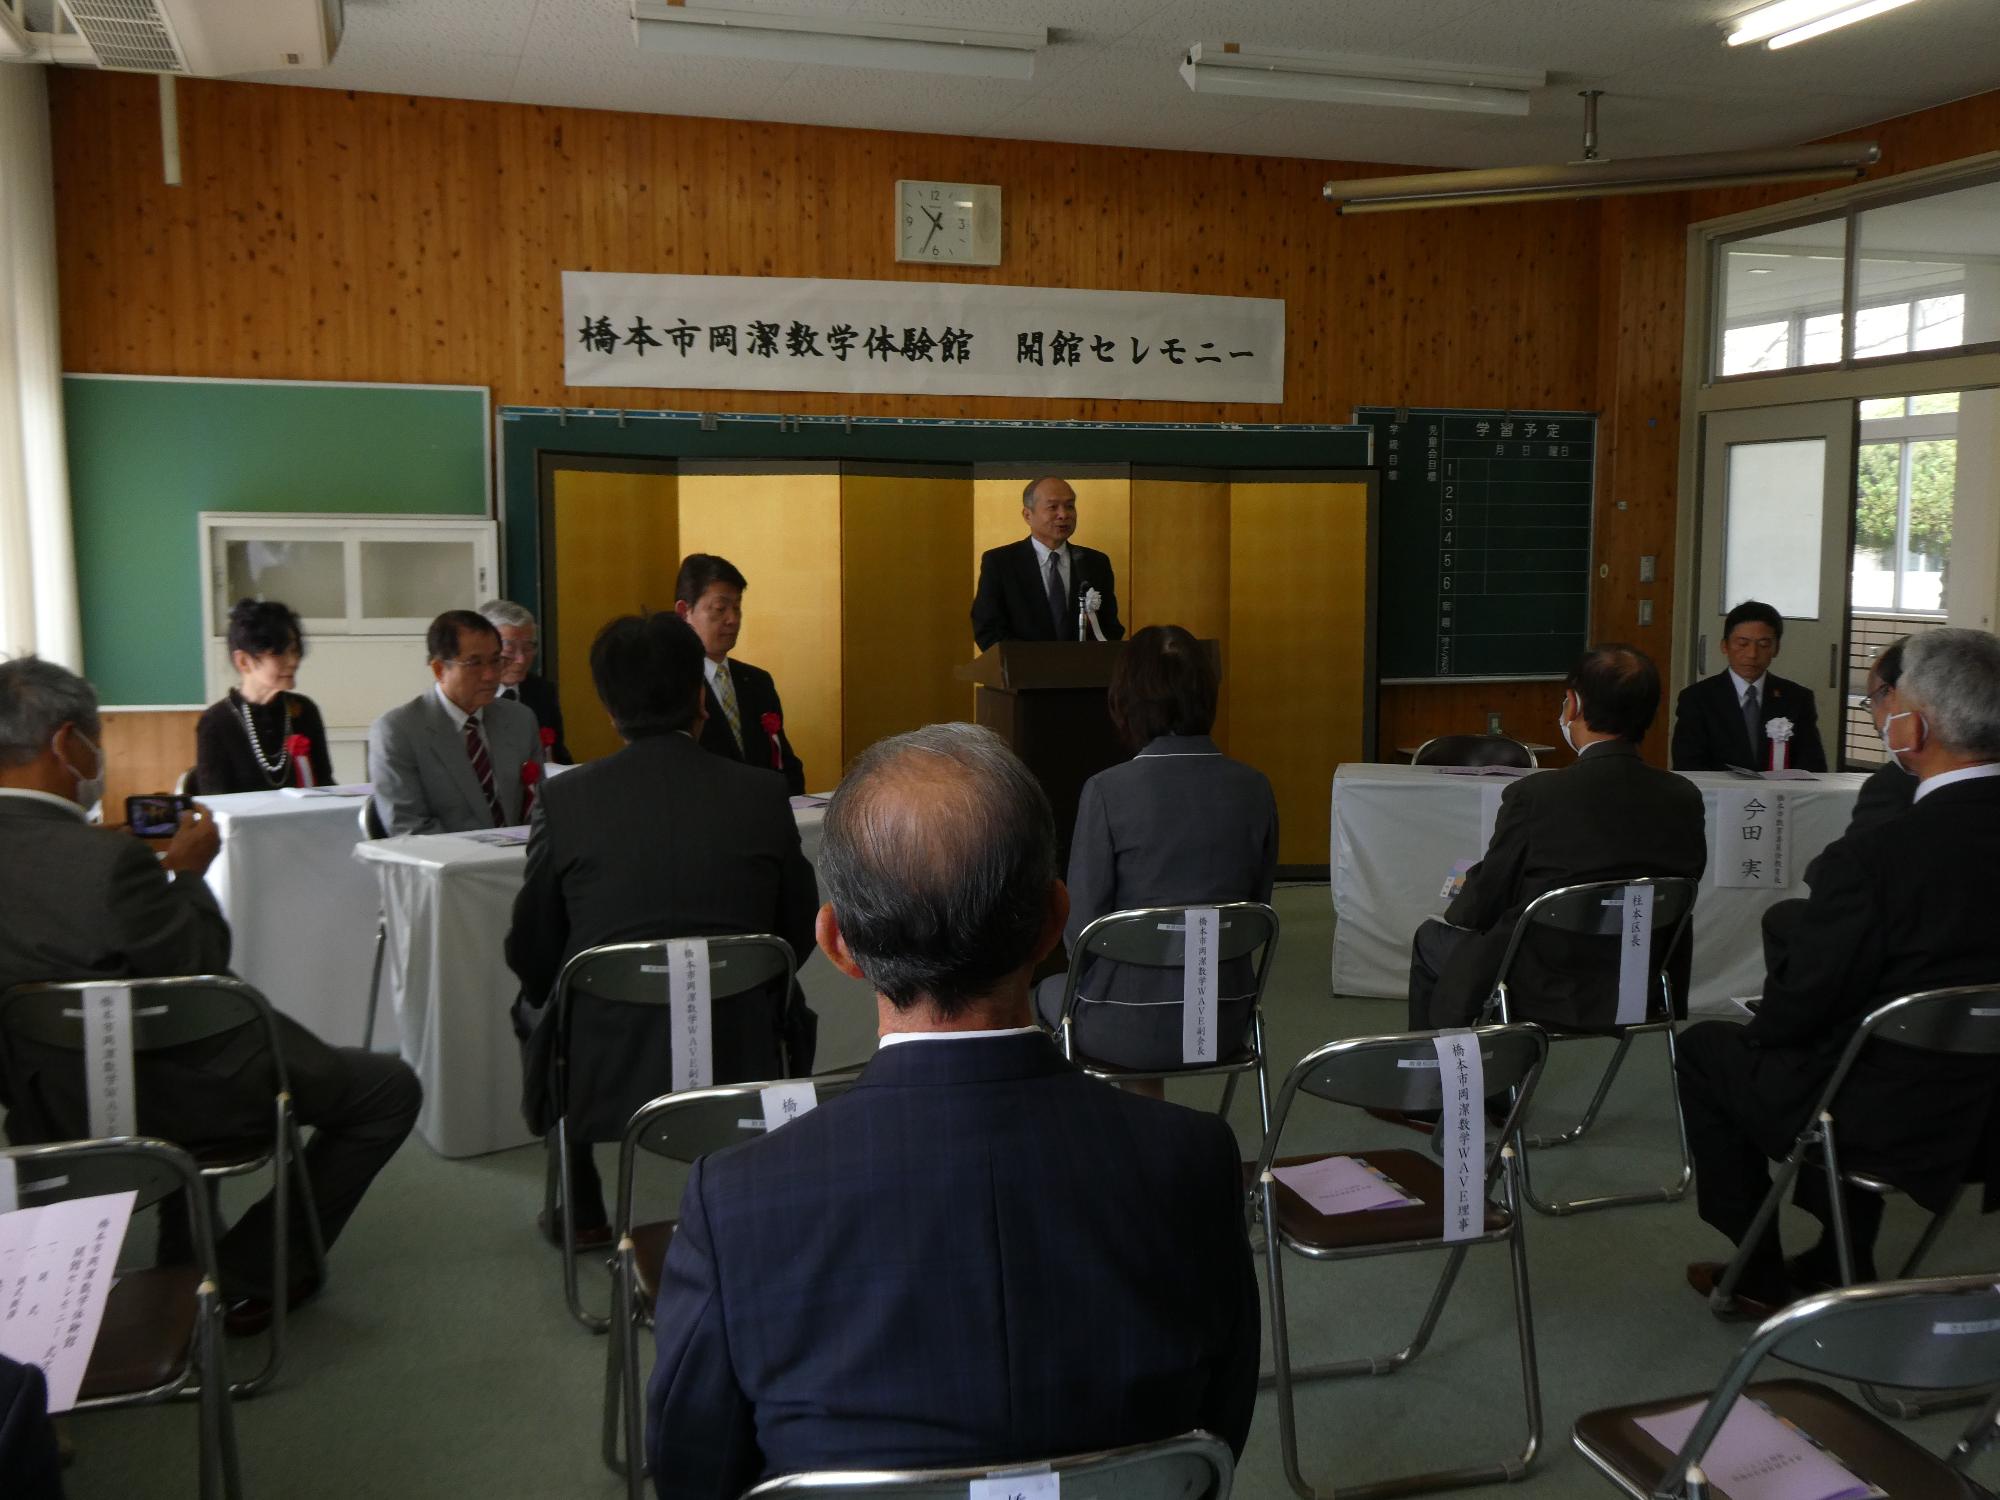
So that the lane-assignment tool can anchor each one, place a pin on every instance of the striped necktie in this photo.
(725, 694)
(482, 766)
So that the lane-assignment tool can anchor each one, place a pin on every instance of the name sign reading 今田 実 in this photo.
(775, 333)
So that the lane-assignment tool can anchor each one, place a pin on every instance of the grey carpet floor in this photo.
(441, 1361)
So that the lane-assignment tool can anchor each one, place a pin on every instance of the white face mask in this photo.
(1563, 724)
(1895, 754)
(89, 789)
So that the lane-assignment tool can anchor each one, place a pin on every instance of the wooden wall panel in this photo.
(145, 750)
(1180, 565)
(903, 623)
(783, 532)
(616, 545)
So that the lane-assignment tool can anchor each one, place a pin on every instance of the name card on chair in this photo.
(785, 1102)
(693, 1037)
(1204, 927)
(1462, 1072)
(56, 1266)
(1042, 1486)
(107, 1060)
(1635, 954)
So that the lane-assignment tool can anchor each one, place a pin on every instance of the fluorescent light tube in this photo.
(1787, 21)
(1331, 79)
(1833, 23)
(839, 41)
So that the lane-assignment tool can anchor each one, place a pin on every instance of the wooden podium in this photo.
(1047, 700)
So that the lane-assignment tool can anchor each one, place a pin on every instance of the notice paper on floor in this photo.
(1343, 1185)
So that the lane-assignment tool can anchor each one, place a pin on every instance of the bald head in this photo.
(939, 862)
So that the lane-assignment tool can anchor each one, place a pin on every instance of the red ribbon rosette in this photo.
(548, 743)
(773, 727)
(531, 775)
(299, 748)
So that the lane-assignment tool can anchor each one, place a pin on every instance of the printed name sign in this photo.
(1463, 1073)
(693, 1046)
(56, 1267)
(1753, 839)
(1204, 926)
(1635, 954)
(107, 1060)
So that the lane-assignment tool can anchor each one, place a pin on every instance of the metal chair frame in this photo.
(1882, 1333)
(681, 1127)
(1961, 1019)
(155, 1170)
(161, 1018)
(371, 830)
(1141, 935)
(1364, 1072)
(1553, 910)
(558, 1199)
(1112, 1474)
(1529, 762)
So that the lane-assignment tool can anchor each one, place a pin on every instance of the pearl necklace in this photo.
(274, 770)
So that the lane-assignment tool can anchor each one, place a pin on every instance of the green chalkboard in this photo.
(147, 456)
(1485, 550)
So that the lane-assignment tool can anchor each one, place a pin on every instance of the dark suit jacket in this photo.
(539, 694)
(756, 696)
(29, 1462)
(1709, 733)
(1012, 601)
(1179, 823)
(1902, 906)
(1886, 793)
(1607, 817)
(656, 841)
(931, 1270)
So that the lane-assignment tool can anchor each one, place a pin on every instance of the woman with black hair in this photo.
(247, 742)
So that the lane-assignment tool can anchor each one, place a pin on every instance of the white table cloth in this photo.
(301, 912)
(1398, 830)
(449, 901)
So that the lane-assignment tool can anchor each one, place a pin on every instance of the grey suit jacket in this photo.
(423, 778)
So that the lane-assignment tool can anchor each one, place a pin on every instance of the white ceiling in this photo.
(1109, 76)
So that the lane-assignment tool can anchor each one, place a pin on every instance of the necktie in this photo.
(725, 694)
(482, 767)
(1752, 721)
(1058, 598)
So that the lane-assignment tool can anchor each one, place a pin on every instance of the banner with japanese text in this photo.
(772, 333)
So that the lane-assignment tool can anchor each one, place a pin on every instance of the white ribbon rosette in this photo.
(1779, 733)
(1086, 616)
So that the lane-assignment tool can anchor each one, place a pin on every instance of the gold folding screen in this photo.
(861, 581)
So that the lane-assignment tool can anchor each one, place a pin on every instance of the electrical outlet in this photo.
(1646, 614)
(1492, 723)
(1649, 569)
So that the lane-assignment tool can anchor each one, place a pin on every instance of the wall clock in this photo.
(948, 223)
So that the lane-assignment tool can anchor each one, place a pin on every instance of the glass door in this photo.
(1777, 508)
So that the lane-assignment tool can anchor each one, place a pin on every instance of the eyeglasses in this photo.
(1869, 700)
(477, 663)
(517, 651)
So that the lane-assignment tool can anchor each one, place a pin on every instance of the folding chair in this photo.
(681, 1127)
(1401, 1073)
(634, 974)
(1194, 1466)
(372, 829)
(1474, 750)
(1963, 1021)
(1156, 937)
(161, 1336)
(1933, 1334)
(1596, 909)
(169, 1013)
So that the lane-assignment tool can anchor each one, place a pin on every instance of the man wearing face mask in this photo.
(95, 903)
(1900, 905)
(1607, 817)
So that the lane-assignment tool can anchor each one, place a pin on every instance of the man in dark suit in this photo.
(1607, 817)
(659, 840)
(519, 683)
(93, 903)
(745, 721)
(977, 1255)
(1903, 905)
(1034, 589)
(1725, 720)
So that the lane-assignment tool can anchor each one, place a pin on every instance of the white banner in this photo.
(687, 980)
(1753, 839)
(1198, 985)
(1635, 954)
(1462, 1073)
(918, 338)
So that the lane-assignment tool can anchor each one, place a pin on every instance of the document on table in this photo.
(1509, 771)
(503, 838)
(1759, 1456)
(355, 789)
(56, 1266)
(800, 804)
(1343, 1185)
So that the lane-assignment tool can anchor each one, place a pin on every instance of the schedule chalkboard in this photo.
(1485, 541)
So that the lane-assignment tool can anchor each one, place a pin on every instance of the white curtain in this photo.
(37, 567)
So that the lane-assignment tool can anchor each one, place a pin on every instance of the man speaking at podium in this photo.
(1034, 589)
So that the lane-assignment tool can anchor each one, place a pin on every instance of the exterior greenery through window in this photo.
(1906, 483)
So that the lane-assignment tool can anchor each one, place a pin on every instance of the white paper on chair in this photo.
(107, 1049)
(1343, 1185)
(1635, 954)
(1462, 1072)
(56, 1267)
(1204, 926)
(1037, 1486)
(785, 1102)
(687, 981)
(10, 1194)
(1758, 1456)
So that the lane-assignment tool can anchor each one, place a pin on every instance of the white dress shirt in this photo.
(49, 797)
(1965, 773)
(895, 1037)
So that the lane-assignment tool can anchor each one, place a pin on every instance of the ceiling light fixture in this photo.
(842, 41)
(1598, 177)
(1318, 78)
(1785, 23)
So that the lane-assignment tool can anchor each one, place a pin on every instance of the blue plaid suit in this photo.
(977, 1255)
